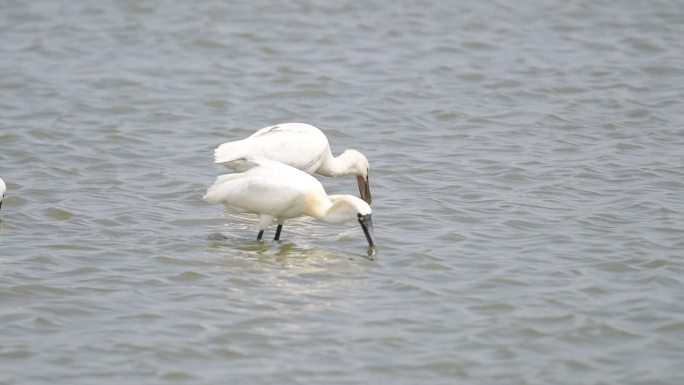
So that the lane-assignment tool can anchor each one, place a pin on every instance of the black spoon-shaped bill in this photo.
(364, 188)
(367, 226)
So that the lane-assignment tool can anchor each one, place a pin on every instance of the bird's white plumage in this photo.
(302, 146)
(271, 190)
(267, 187)
(299, 145)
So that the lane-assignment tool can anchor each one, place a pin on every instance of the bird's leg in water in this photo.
(261, 234)
(277, 235)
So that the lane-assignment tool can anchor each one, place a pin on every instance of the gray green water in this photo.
(527, 165)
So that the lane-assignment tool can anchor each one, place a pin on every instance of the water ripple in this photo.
(526, 172)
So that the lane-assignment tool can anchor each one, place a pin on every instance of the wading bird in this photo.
(273, 190)
(301, 146)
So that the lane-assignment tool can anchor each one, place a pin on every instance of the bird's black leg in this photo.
(277, 236)
(261, 234)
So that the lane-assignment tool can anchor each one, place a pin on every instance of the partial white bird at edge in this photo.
(3, 189)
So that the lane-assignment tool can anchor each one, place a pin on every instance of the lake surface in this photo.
(527, 169)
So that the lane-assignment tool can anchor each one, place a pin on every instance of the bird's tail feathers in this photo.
(215, 193)
(231, 151)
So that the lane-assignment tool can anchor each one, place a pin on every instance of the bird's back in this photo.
(267, 188)
(299, 145)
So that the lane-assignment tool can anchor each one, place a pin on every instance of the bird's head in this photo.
(359, 164)
(346, 207)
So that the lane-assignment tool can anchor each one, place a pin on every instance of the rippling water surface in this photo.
(527, 165)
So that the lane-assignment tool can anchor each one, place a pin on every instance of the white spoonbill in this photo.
(301, 146)
(3, 188)
(274, 190)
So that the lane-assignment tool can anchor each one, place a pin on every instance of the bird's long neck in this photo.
(317, 206)
(326, 210)
(336, 166)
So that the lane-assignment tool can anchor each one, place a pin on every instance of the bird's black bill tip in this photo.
(364, 188)
(370, 253)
